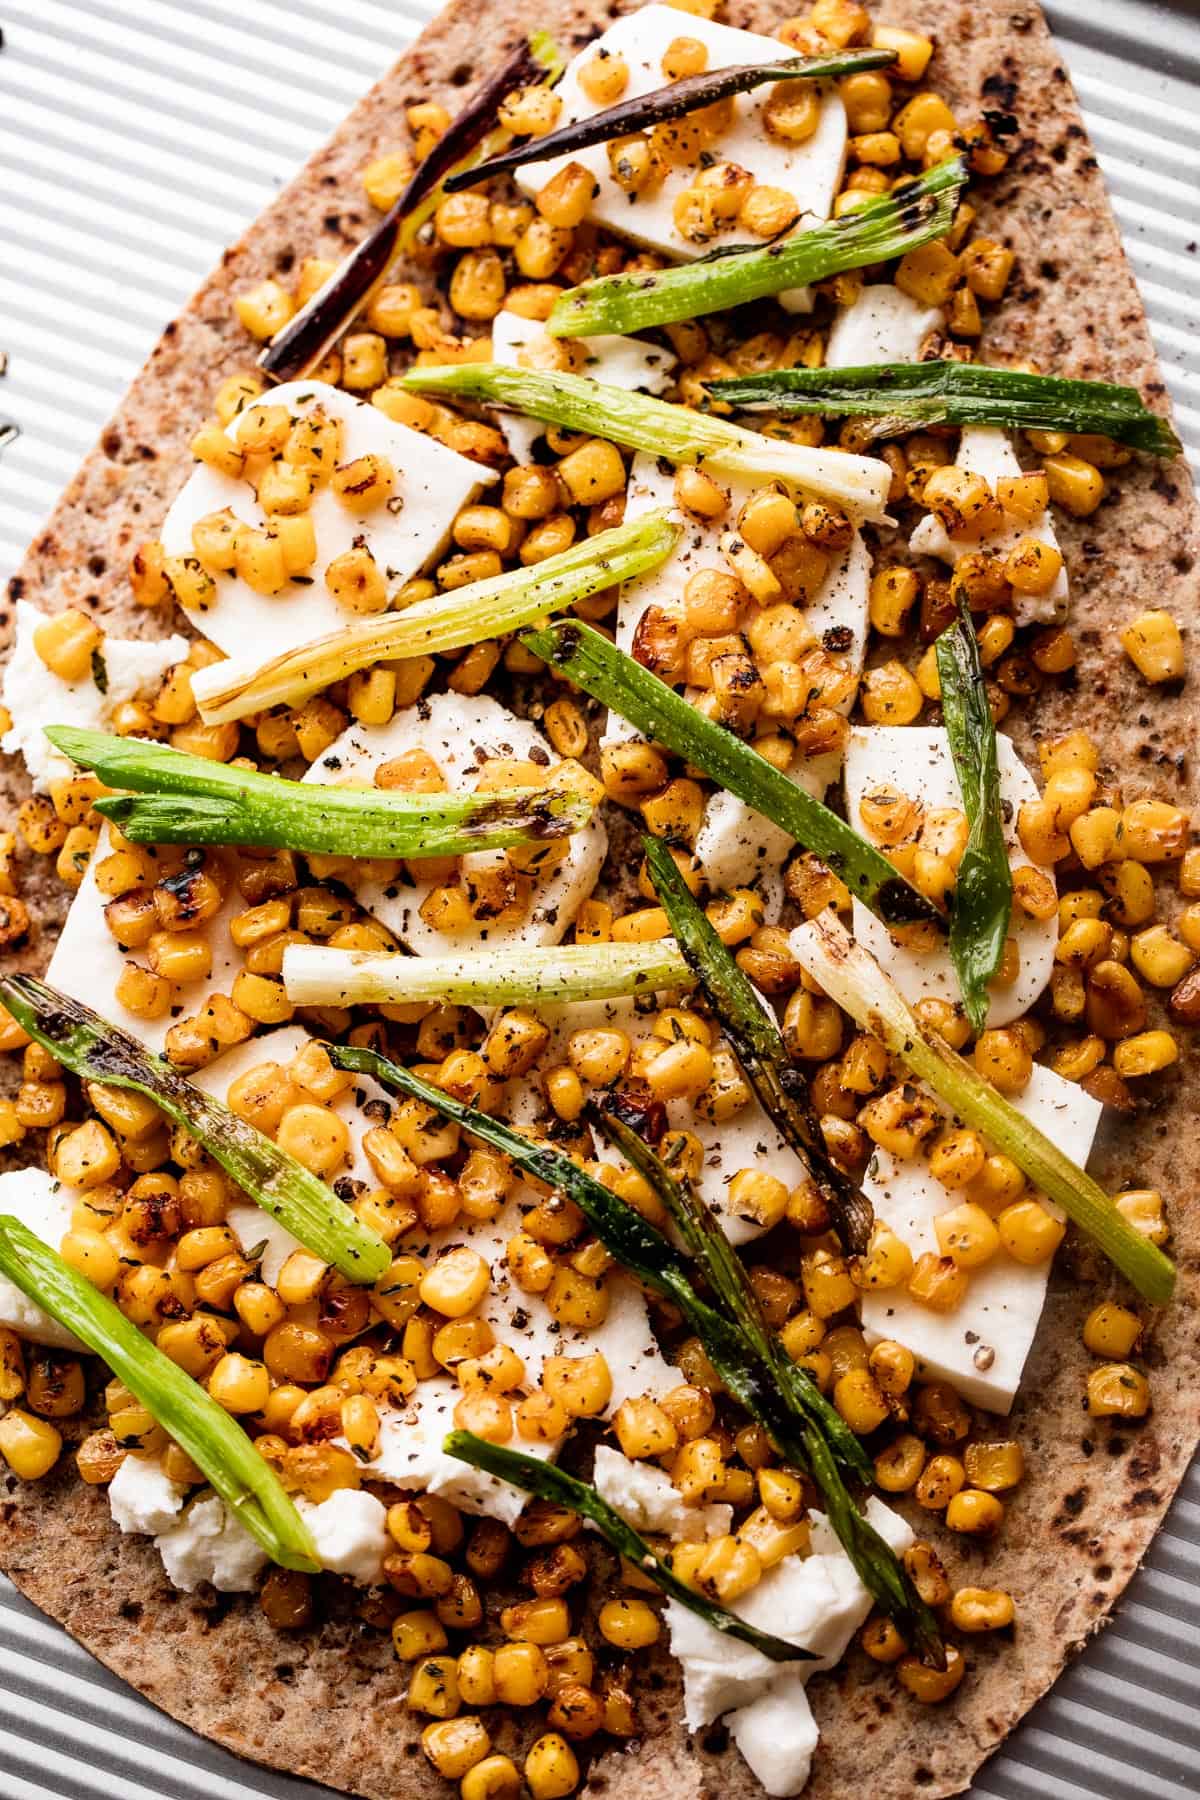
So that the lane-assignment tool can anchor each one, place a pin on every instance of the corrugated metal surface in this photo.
(137, 137)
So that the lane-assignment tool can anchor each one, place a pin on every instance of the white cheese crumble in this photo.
(432, 485)
(460, 734)
(647, 1499)
(988, 451)
(811, 171)
(980, 1347)
(350, 1533)
(124, 669)
(206, 1543)
(917, 760)
(142, 1497)
(882, 326)
(44, 1207)
(624, 362)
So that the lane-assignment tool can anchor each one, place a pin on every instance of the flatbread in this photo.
(327, 1703)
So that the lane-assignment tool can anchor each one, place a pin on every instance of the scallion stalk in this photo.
(182, 799)
(208, 1434)
(96, 1050)
(906, 218)
(546, 1482)
(316, 975)
(576, 402)
(850, 975)
(468, 615)
(900, 396)
(757, 1042)
(983, 887)
(665, 717)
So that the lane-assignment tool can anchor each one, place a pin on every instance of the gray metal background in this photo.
(137, 138)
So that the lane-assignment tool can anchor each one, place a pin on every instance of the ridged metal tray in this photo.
(138, 138)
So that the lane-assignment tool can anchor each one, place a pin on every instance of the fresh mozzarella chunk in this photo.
(123, 669)
(350, 1533)
(432, 484)
(624, 362)
(917, 761)
(811, 171)
(411, 1456)
(882, 326)
(981, 1346)
(987, 450)
(776, 1736)
(87, 960)
(43, 1206)
(646, 1498)
(142, 1497)
(460, 734)
(208, 1544)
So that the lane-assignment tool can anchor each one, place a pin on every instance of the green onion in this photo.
(791, 1408)
(983, 888)
(656, 426)
(472, 136)
(215, 1442)
(758, 1044)
(193, 800)
(674, 101)
(315, 975)
(546, 1482)
(666, 718)
(899, 396)
(467, 615)
(907, 217)
(852, 977)
(96, 1050)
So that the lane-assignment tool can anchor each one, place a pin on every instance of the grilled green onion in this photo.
(758, 1044)
(183, 799)
(900, 396)
(316, 975)
(983, 887)
(674, 101)
(96, 1050)
(546, 1482)
(473, 136)
(907, 217)
(851, 976)
(215, 1442)
(467, 615)
(665, 717)
(578, 403)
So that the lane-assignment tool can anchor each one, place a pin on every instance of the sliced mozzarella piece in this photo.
(811, 171)
(777, 1736)
(460, 734)
(981, 1346)
(881, 326)
(432, 485)
(124, 669)
(647, 1499)
(87, 960)
(917, 760)
(44, 1207)
(624, 362)
(987, 450)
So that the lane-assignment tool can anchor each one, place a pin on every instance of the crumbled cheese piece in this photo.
(988, 451)
(43, 1206)
(460, 733)
(624, 362)
(980, 1347)
(208, 1544)
(917, 760)
(881, 326)
(647, 1499)
(142, 1496)
(123, 669)
(432, 485)
(776, 1736)
(810, 171)
(350, 1532)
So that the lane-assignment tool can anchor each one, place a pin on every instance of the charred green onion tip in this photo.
(215, 1442)
(96, 1050)
(182, 799)
(546, 1482)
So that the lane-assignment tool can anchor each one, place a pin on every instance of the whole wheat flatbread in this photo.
(327, 1703)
